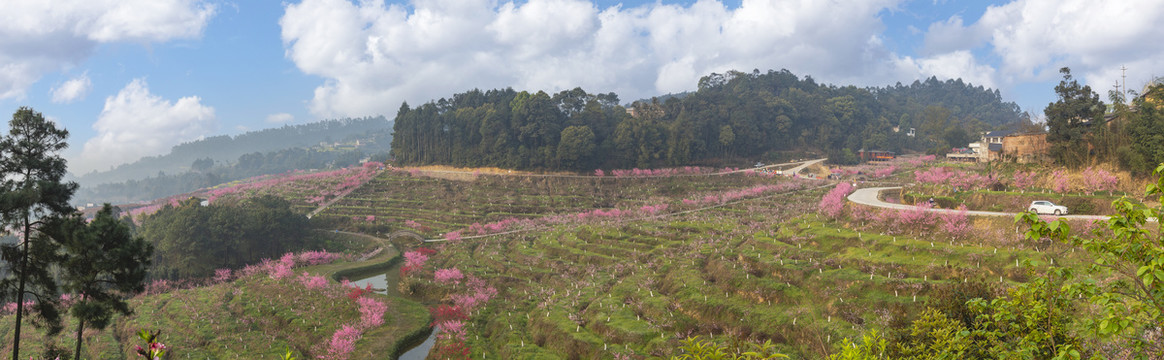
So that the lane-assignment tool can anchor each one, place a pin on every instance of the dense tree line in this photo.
(226, 148)
(1145, 129)
(205, 174)
(732, 118)
(193, 240)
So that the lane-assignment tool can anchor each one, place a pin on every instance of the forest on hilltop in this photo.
(733, 117)
(226, 148)
(221, 159)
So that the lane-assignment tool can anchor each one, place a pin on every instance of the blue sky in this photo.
(131, 78)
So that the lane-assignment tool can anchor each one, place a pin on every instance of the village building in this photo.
(1004, 146)
(1025, 148)
(875, 155)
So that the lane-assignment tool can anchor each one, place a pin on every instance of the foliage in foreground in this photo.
(1121, 301)
(695, 349)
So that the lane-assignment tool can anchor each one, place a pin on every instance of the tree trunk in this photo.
(22, 266)
(80, 330)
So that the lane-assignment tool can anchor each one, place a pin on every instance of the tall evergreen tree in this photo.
(1067, 119)
(31, 193)
(105, 263)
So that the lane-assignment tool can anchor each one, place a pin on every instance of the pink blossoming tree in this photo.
(446, 276)
(834, 202)
(371, 312)
(957, 224)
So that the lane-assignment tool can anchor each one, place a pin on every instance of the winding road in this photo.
(869, 196)
(796, 169)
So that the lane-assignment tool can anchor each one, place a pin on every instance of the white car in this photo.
(1047, 207)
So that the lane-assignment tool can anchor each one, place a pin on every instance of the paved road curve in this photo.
(868, 196)
(797, 169)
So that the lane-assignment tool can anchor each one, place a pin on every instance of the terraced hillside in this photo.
(757, 270)
(439, 205)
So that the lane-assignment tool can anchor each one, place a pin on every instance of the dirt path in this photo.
(797, 169)
(384, 255)
(788, 172)
(339, 197)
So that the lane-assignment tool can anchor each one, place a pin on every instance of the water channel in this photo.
(385, 283)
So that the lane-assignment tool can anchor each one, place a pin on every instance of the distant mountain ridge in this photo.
(227, 149)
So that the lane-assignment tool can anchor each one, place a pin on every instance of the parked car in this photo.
(1047, 207)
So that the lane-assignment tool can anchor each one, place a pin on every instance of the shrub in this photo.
(371, 312)
(312, 282)
(883, 172)
(1079, 205)
(1099, 180)
(309, 258)
(415, 259)
(915, 218)
(834, 202)
(342, 343)
(355, 292)
(1024, 180)
(446, 276)
(453, 236)
(222, 275)
(957, 224)
(1059, 181)
(950, 299)
(412, 224)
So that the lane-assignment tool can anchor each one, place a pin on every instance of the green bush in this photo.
(1078, 205)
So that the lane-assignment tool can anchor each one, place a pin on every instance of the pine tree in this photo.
(105, 263)
(31, 193)
(1077, 108)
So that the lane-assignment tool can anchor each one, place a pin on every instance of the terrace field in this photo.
(565, 267)
(765, 269)
(438, 205)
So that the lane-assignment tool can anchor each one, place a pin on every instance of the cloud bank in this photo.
(38, 37)
(374, 55)
(1032, 39)
(136, 123)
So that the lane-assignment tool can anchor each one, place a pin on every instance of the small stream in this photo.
(380, 282)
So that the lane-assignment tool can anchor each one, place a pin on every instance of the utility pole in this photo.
(1117, 89)
(1124, 69)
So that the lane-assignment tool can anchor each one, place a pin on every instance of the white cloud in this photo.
(373, 56)
(38, 37)
(136, 123)
(1027, 41)
(72, 90)
(1034, 38)
(950, 35)
(959, 64)
(280, 118)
